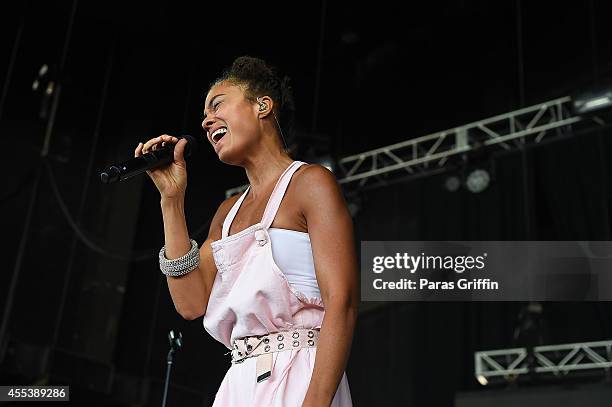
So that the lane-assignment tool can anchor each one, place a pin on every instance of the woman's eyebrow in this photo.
(211, 103)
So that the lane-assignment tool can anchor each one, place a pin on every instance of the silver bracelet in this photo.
(182, 265)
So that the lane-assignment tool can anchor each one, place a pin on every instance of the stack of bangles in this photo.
(182, 265)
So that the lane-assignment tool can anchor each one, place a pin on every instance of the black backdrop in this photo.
(135, 70)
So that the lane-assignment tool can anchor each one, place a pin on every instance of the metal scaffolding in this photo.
(507, 131)
(554, 359)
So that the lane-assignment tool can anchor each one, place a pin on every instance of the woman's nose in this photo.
(207, 123)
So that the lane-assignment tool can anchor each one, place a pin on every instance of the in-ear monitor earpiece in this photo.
(262, 105)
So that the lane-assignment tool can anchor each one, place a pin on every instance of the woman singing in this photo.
(276, 278)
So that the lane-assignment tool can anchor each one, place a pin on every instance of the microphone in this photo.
(151, 160)
(176, 340)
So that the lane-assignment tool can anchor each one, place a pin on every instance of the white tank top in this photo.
(292, 253)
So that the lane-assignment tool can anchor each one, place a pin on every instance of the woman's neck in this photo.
(263, 170)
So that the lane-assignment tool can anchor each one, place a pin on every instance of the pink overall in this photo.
(251, 296)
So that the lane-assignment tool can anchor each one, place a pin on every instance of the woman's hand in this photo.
(170, 180)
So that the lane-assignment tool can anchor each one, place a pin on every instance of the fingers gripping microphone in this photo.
(151, 160)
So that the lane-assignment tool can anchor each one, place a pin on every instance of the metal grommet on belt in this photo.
(310, 334)
(295, 335)
(279, 337)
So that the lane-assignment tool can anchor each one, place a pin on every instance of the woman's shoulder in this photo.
(319, 198)
(314, 175)
(314, 180)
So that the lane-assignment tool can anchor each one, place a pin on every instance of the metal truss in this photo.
(554, 359)
(423, 154)
(508, 131)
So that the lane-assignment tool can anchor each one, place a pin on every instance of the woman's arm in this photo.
(190, 293)
(331, 234)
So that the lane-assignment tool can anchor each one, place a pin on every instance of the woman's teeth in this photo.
(218, 134)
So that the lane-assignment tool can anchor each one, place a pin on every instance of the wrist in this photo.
(172, 201)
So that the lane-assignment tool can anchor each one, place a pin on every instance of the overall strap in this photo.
(232, 213)
(278, 192)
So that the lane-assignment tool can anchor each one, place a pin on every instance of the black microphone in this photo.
(151, 160)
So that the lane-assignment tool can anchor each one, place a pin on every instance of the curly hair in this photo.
(259, 79)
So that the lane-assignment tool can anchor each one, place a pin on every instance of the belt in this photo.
(263, 346)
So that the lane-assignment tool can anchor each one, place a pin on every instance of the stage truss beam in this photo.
(558, 360)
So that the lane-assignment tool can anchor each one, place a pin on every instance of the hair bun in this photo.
(261, 79)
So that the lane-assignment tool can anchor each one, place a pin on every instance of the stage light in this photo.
(353, 208)
(478, 181)
(482, 380)
(592, 100)
(354, 204)
(452, 183)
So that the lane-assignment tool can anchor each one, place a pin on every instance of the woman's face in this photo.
(230, 122)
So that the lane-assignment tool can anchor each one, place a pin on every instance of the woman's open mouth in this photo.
(218, 134)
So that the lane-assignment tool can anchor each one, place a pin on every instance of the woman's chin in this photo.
(221, 153)
(227, 157)
(233, 154)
